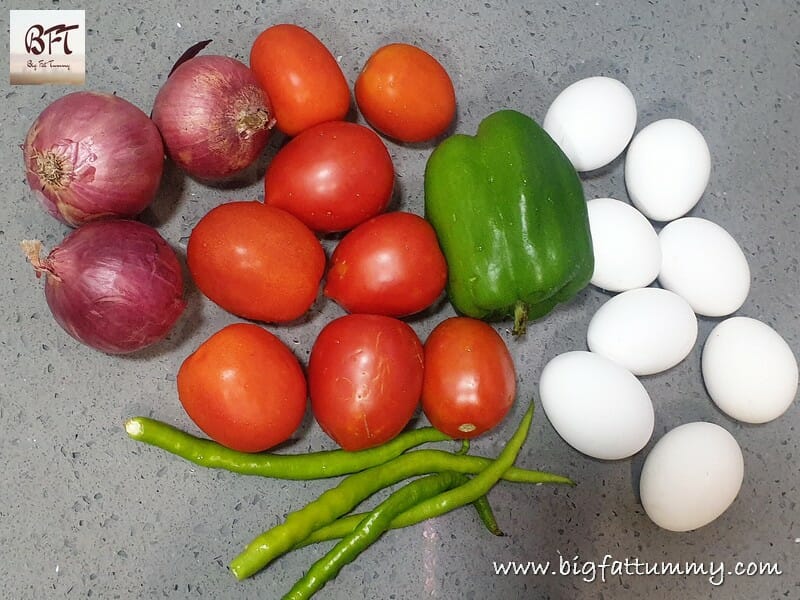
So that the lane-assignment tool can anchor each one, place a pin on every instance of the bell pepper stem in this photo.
(520, 317)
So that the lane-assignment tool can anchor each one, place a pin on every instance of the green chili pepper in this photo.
(510, 214)
(483, 481)
(313, 465)
(486, 515)
(369, 529)
(482, 506)
(353, 489)
(344, 525)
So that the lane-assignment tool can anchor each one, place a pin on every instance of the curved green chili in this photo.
(482, 482)
(313, 465)
(371, 527)
(343, 526)
(482, 506)
(341, 499)
(486, 515)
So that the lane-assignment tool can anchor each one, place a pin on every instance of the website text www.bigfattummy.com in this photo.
(598, 571)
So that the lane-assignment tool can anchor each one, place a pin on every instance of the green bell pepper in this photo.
(510, 214)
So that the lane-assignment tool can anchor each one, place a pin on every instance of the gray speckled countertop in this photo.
(84, 511)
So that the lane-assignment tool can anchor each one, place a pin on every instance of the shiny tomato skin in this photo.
(470, 379)
(332, 176)
(365, 377)
(301, 77)
(390, 265)
(244, 388)
(406, 94)
(255, 261)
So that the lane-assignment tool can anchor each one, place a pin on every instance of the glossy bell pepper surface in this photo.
(509, 210)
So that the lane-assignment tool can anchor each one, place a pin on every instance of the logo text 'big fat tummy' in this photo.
(47, 46)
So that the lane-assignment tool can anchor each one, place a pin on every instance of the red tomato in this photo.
(405, 93)
(390, 265)
(332, 176)
(301, 77)
(365, 378)
(256, 261)
(470, 380)
(244, 388)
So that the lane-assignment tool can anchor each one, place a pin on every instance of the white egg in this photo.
(749, 370)
(592, 121)
(703, 263)
(667, 168)
(627, 254)
(647, 330)
(597, 406)
(691, 476)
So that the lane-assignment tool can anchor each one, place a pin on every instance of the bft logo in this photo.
(38, 39)
(47, 46)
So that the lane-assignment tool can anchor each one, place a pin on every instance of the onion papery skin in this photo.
(91, 155)
(114, 285)
(213, 116)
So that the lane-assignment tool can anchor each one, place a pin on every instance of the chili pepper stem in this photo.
(133, 428)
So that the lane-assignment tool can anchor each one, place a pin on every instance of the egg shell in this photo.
(703, 263)
(667, 169)
(592, 121)
(691, 476)
(627, 253)
(749, 370)
(647, 330)
(598, 407)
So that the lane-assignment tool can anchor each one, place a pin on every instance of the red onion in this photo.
(91, 155)
(114, 285)
(213, 116)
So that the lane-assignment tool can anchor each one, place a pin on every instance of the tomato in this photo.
(406, 94)
(470, 380)
(365, 378)
(332, 176)
(301, 77)
(244, 388)
(258, 262)
(390, 265)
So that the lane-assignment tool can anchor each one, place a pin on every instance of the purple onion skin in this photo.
(114, 285)
(91, 155)
(213, 116)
